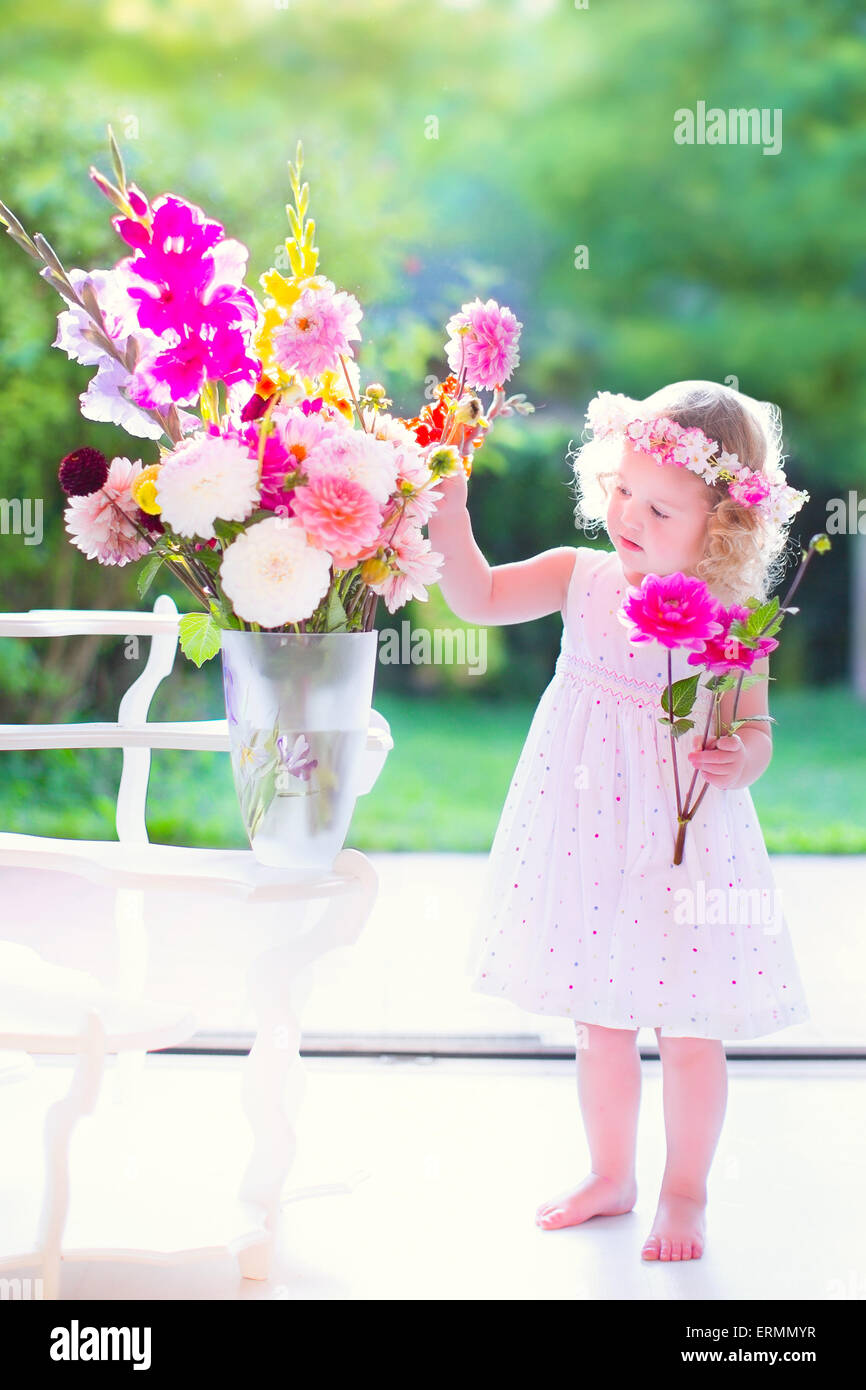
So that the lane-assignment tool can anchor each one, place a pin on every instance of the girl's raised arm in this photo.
(495, 596)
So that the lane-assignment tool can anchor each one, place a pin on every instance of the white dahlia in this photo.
(207, 477)
(273, 575)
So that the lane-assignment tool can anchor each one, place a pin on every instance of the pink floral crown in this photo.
(668, 442)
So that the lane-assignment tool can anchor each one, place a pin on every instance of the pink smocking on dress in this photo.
(583, 913)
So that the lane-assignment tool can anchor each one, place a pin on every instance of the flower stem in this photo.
(671, 732)
(686, 812)
(264, 430)
(737, 693)
(352, 394)
(797, 578)
(177, 571)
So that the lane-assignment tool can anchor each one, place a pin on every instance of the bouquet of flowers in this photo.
(678, 610)
(284, 496)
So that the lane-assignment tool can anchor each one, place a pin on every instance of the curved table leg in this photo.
(274, 1082)
(60, 1121)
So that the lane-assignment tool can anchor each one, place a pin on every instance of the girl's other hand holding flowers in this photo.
(723, 762)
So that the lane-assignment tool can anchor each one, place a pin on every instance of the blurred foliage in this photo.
(458, 148)
(444, 784)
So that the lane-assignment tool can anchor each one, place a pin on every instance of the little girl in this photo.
(583, 913)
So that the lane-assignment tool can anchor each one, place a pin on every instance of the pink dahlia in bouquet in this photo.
(280, 492)
(679, 611)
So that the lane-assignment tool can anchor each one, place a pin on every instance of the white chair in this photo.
(75, 1016)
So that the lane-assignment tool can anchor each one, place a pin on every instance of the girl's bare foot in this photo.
(596, 1196)
(678, 1231)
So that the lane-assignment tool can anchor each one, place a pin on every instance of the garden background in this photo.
(453, 150)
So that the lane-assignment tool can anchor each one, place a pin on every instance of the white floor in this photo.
(406, 974)
(443, 1164)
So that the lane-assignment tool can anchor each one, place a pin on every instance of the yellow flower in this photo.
(144, 490)
(283, 294)
(374, 570)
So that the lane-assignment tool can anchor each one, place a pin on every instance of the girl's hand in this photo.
(723, 762)
(454, 489)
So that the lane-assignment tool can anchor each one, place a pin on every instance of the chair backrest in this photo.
(132, 790)
(161, 625)
(132, 732)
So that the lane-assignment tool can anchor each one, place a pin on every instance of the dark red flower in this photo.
(82, 472)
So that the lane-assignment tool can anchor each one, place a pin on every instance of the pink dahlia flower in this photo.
(675, 610)
(317, 331)
(725, 653)
(488, 346)
(414, 564)
(295, 436)
(353, 454)
(101, 524)
(339, 516)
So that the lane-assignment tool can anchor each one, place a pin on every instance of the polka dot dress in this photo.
(583, 914)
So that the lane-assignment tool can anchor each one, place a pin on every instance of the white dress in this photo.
(583, 913)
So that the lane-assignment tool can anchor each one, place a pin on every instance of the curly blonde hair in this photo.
(745, 552)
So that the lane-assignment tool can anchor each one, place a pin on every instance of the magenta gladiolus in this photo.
(674, 609)
(186, 275)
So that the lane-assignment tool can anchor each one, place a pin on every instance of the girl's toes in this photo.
(651, 1248)
(687, 1251)
(676, 1250)
(665, 1251)
(550, 1218)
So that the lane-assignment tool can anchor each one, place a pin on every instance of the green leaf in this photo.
(682, 726)
(721, 683)
(684, 695)
(224, 617)
(227, 530)
(761, 616)
(752, 719)
(211, 559)
(741, 633)
(336, 618)
(148, 571)
(199, 637)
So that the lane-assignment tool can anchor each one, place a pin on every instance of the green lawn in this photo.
(444, 783)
